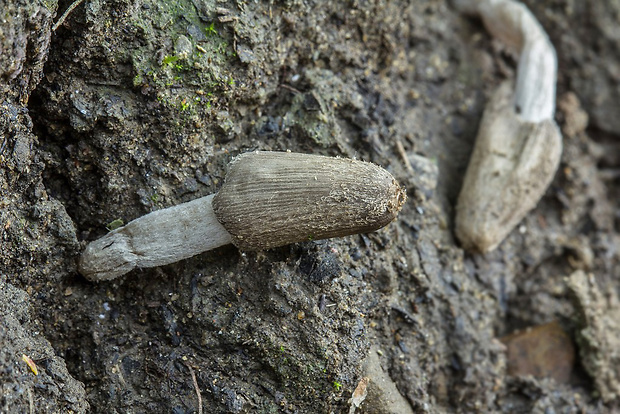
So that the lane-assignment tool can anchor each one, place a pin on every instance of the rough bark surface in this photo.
(141, 104)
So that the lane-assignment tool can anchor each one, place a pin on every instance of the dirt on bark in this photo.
(133, 106)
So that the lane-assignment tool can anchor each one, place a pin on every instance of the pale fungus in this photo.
(518, 147)
(268, 199)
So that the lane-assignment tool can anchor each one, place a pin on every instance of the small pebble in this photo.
(544, 351)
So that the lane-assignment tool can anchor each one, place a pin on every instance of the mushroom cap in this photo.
(271, 199)
(512, 165)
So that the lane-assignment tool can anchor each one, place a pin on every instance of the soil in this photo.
(133, 106)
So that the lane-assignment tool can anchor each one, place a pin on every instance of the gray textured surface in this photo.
(118, 128)
(271, 199)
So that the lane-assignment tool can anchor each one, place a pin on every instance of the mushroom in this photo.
(268, 199)
(518, 147)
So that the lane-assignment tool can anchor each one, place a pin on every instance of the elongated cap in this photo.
(271, 199)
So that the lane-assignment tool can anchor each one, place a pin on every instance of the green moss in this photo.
(210, 30)
(195, 83)
(184, 105)
(115, 224)
(169, 59)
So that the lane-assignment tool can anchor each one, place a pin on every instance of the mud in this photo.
(129, 107)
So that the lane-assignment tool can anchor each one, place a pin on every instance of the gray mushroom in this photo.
(268, 199)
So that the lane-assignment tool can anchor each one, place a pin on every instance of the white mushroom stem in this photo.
(156, 239)
(514, 24)
(518, 147)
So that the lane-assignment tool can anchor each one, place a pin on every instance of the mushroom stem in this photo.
(156, 239)
(513, 23)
